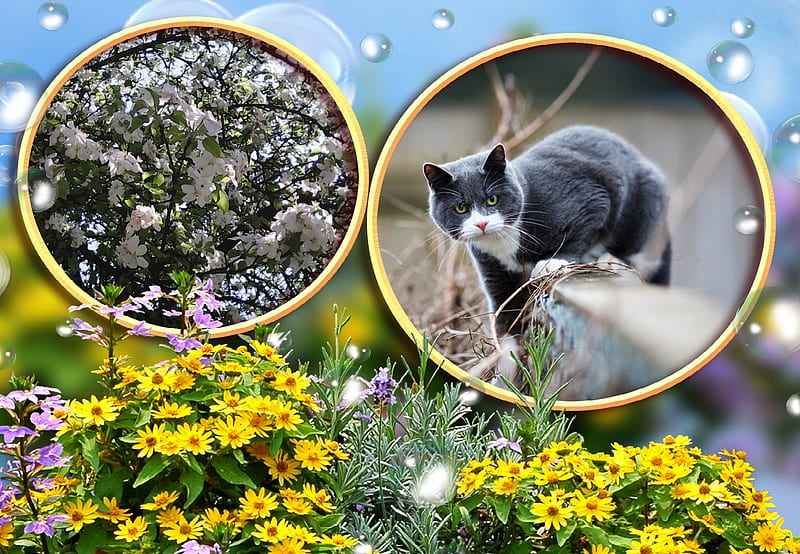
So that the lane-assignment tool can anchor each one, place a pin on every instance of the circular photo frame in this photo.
(641, 274)
(194, 145)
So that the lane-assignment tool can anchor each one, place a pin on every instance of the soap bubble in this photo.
(20, 88)
(351, 392)
(52, 15)
(793, 405)
(43, 194)
(8, 164)
(358, 353)
(772, 330)
(443, 19)
(470, 397)
(748, 220)
(435, 485)
(5, 272)
(376, 47)
(314, 34)
(752, 118)
(743, 27)
(786, 148)
(730, 62)
(363, 548)
(64, 328)
(7, 356)
(663, 16)
(160, 9)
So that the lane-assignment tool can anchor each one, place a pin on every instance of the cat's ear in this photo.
(435, 175)
(496, 158)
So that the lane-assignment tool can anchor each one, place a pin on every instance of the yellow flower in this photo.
(655, 457)
(94, 411)
(551, 512)
(193, 362)
(157, 378)
(230, 403)
(259, 450)
(471, 482)
(617, 467)
(598, 549)
(213, 518)
(286, 417)
(272, 531)
(182, 380)
(288, 546)
(703, 493)
(183, 530)
(552, 476)
(335, 449)
(172, 410)
(708, 521)
(505, 486)
(282, 468)
(319, 497)
(738, 472)
(131, 530)
(681, 441)
(758, 499)
(169, 516)
(233, 432)
(510, 468)
(113, 513)
(267, 352)
(311, 455)
(668, 475)
(292, 382)
(681, 491)
(592, 507)
(80, 513)
(161, 501)
(770, 537)
(341, 541)
(257, 504)
(194, 438)
(261, 423)
(148, 440)
(297, 505)
(6, 533)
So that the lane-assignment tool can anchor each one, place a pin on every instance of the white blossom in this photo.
(144, 217)
(131, 253)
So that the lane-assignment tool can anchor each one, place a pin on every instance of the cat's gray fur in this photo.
(578, 189)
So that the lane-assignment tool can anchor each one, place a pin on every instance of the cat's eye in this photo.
(461, 208)
(491, 200)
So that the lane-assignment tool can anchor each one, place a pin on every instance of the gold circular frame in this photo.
(359, 147)
(704, 86)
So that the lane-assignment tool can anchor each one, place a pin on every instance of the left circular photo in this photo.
(196, 147)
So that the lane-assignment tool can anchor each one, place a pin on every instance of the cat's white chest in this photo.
(501, 244)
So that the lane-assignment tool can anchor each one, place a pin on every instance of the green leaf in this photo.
(304, 430)
(178, 117)
(92, 538)
(616, 540)
(111, 484)
(212, 147)
(596, 535)
(563, 534)
(228, 469)
(277, 440)
(222, 200)
(90, 451)
(239, 455)
(158, 180)
(142, 419)
(323, 524)
(194, 483)
(151, 469)
(517, 548)
(502, 506)
(192, 462)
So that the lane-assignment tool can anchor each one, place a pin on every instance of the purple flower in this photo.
(86, 331)
(381, 388)
(147, 297)
(13, 432)
(204, 297)
(54, 402)
(80, 307)
(44, 524)
(49, 455)
(31, 395)
(204, 320)
(6, 497)
(118, 311)
(141, 330)
(180, 344)
(44, 421)
(173, 313)
(503, 442)
(194, 547)
(361, 415)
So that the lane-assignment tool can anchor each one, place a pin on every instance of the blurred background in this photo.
(383, 55)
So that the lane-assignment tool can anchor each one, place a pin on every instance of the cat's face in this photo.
(475, 199)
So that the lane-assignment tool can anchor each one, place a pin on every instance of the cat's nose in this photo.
(482, 225)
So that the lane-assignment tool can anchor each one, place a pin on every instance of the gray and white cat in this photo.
(578, 190)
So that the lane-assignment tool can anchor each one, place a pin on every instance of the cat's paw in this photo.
(506, 364)
(549, 266)
(620, 268)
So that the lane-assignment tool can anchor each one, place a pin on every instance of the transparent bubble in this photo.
(752, 118)
(314, 34)
(748, 220)
(443, 19)
(786, 148)
(793, 405)
(772, 330)
(435, 485)
(20, 88)
(410, 462)
(730, 62)
(663, 16)
(351, 392)
(362, 548)
(8, 164)
(7, 356)
(52, 15)
(376, 47)
(5, 272)
(64, 328)
(43, 194)
(160, 9)
(743, 27)
(470, 397)
(358, 353)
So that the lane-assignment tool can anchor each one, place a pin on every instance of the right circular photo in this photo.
(582, 194)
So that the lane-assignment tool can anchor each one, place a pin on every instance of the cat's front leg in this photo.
(549, 266)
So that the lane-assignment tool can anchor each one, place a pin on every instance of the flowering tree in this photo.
(195, 147)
